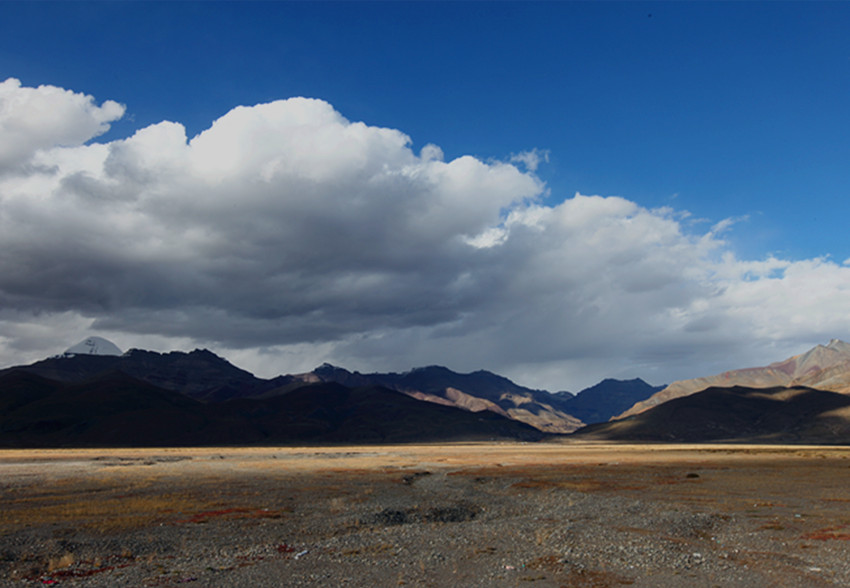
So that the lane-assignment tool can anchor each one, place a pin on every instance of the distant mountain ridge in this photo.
(609, 397)
(204, 376)
(148, 398)
(825, 367)
(199, 374)
(476, 392)
(561, 412)
(795, 415)
(114, 409)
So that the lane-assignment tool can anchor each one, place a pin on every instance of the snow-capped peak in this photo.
(93, 346)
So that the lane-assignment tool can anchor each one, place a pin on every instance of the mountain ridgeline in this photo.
(739, 414)
(117, 410)
(94, 394)
(802, 399)
(561, 412)
(825, 367)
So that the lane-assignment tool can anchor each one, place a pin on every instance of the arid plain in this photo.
(541, 514)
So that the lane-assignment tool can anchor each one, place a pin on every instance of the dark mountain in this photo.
(606, 399)
(330, 412)
(796, 415)
(201, 374)
(114, 409)
(18, 388)
(477, 392)
(484, 390)
(206, 377)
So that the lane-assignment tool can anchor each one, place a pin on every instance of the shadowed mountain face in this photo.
(477, 392)
(113, 409)
(770, 415)
(201, 375)
(117, 410)
(199, 398)
(825, 367)
(560, 412)
(609, 397)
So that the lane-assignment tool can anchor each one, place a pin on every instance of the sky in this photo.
(558, 192)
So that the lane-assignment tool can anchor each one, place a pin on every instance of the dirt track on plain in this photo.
(435, 515)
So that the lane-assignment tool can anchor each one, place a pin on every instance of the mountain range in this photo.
(204, 376)
(793, 415)
(561, 412)
(93, 394)
(117, 410)
(802, 399)
(825, 367)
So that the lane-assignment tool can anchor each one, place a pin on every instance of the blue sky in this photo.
(731, 113)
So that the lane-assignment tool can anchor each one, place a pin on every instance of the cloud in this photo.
(531, 159)
(47, 116)
(285, 234)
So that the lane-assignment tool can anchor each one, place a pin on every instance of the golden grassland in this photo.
(450, 453)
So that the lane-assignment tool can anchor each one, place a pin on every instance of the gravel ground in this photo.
(404, 517)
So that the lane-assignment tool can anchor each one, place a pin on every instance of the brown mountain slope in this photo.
(797, 415)
(475, 392)
(825, 367)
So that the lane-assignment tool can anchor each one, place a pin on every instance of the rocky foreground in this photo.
(462, 515)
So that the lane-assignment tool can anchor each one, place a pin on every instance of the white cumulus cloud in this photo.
(285, 234)
(47, 116)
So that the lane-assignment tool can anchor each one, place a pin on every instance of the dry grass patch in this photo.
(536, 477)
(838, 533)
(103, 514)
(233, 513)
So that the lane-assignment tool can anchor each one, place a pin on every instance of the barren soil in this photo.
(441, 515)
